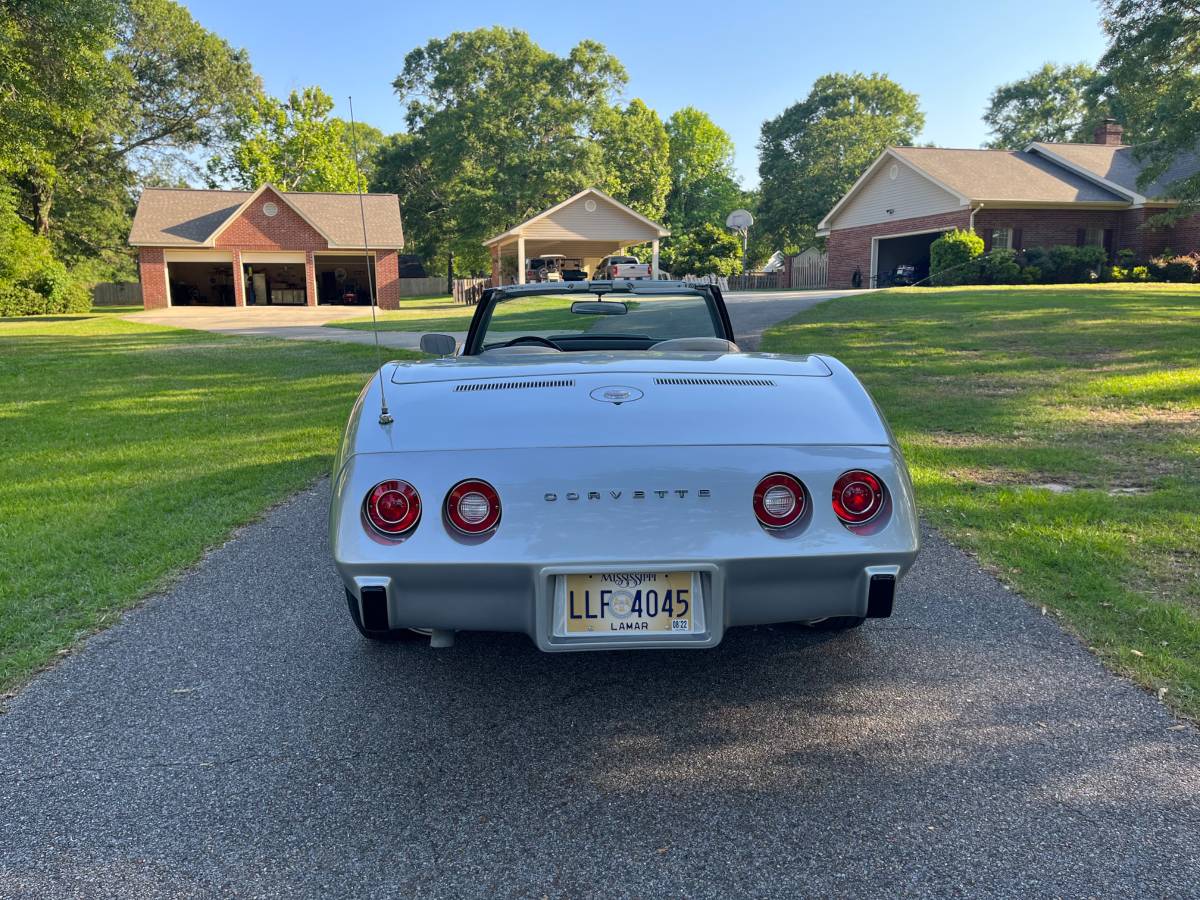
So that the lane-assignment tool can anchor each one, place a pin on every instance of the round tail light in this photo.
(857, 497)
(779, 500)
(473, 506)
(393, 507)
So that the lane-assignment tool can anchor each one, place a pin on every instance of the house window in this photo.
(1001, 238)
(1093, 237)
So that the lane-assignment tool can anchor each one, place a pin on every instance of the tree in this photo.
(94, 91)
(293, 144)
(814, 151)
(502, 129)
(369, 141)
(1152, 71)
(706, 250)
(1055, 103)
(703, 187)
(635, 157)
(184, 84)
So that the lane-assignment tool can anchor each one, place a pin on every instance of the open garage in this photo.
(266, 248)
(343, 279)
(201, 282)
(903, 250)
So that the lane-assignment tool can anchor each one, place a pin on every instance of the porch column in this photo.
(310, 278)
(239, 280)
(495, 265)
(520, 259)
(654, 259)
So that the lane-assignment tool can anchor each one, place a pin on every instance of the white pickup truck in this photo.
(621, 267)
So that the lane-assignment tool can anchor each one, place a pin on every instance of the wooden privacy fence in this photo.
(117, 293)
(470, 290)
(422, 287)
(809, 269)
(757, 281)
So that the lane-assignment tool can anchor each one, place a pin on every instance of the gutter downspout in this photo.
(974, 209)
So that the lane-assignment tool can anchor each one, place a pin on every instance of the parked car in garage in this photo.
(601, 467)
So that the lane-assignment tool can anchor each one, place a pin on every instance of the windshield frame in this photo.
(584, 290)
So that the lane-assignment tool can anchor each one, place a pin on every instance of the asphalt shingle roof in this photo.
(183, 217)
(1004, 175)
(1120, 165)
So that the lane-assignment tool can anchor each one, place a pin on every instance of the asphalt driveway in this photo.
(236, 737)
(751, 312)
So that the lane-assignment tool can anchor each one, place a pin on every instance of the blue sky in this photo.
(741, 62)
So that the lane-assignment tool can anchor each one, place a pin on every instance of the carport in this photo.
(910, 249)
(588, 226)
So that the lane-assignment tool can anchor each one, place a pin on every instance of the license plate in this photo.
(631, 603)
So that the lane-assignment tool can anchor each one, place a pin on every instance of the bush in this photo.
(1125, 257)
(32, 281)
(1179, 269)
(952, 256)
(1139, 273)
(1000, 267)
(1070, 265)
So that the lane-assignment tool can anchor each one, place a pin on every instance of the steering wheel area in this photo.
(532, 339)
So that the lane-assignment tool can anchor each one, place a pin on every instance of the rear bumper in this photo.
(735, 592)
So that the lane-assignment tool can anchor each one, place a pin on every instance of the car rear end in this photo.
(651, 513)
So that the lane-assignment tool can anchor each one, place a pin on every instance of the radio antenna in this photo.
(385, 417)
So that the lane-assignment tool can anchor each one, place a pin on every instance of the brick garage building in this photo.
(1042, 196)
(266, 247)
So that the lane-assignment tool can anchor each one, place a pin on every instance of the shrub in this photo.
(1125, 257)
(1065, 264)
(1114, 273)
(1179, 269)
(1000, 267)
(952, 256)
(32, 281)
(1031, 275)
(1139, 273)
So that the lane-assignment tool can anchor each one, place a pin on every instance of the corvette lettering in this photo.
(680, 493)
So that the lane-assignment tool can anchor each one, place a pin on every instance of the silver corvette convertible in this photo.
(600, 466)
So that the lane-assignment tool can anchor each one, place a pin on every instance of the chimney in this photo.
(1108, 133)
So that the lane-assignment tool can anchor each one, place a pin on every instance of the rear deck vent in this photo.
(738, 382)
(510, 385)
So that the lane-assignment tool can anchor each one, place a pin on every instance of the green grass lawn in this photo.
(997, 393)
(127, 449)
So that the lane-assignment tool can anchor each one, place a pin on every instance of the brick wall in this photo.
(1051, 227)
(850, 248)
(310, 278)
(1184, 236)
(152, 271)
(239, 280)
(387, 274)
(253, 230)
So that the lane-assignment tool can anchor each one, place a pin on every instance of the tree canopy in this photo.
(635, 157)
(1054, 103)
(97, 96)
(293, 144)
(504, 129)
(1152, 70)
(814, 151)
(703, 186)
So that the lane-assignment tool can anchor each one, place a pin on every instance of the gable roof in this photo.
(1005, 176)
(596, 192)
(186, 217)
(1118, 167)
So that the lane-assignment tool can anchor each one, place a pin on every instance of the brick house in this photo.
(1042, 196)
(266, 247)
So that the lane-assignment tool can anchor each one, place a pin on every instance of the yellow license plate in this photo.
(630, 603)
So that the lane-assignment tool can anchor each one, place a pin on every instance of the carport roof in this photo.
(186, 217)
(646, 229)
